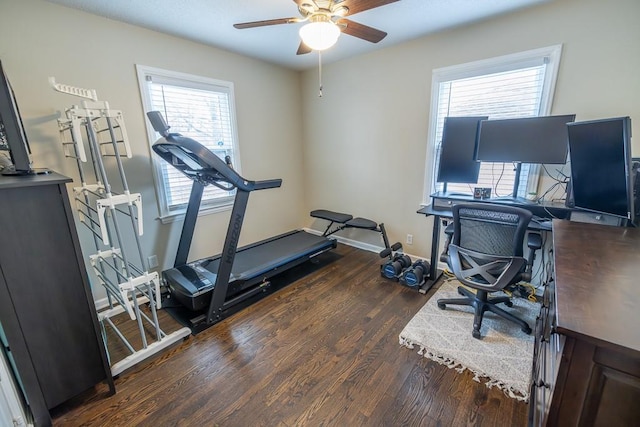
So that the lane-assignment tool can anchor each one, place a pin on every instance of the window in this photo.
(512, 86)
(199, 108)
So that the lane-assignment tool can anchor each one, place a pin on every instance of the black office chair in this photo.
(485, 253)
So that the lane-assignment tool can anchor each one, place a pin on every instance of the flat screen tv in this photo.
(601, 168)
(12, 131)
(458, 144)
(525, 140)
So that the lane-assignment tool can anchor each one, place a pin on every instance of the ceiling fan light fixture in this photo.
(320, 34)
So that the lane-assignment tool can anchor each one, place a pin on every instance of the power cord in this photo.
(523, 290)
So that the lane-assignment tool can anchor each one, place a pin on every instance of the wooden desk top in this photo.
(597, 271)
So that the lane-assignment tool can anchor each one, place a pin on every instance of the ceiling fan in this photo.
(326, 19)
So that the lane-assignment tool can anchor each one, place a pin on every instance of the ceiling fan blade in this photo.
(357, 6)
(303, 49)
(265, 23)
(363, 32)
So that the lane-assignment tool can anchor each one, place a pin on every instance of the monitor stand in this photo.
(514, 199)
(446, 193)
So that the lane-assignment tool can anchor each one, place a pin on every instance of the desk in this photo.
(597, 318)
(441, 208)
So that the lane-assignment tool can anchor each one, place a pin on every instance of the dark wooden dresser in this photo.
(46, 306)
(587, 364)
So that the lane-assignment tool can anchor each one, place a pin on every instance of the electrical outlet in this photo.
(153, 261)
(409, 239)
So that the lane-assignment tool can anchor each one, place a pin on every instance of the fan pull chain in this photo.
(320, 73)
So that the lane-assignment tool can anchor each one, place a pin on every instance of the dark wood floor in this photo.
(322, 351)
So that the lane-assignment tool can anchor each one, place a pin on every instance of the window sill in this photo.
(205, 210)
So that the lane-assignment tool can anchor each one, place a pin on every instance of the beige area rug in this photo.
(503, 358)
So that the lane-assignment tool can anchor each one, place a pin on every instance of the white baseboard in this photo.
(360, 245)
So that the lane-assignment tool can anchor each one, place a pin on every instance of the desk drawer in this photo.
(443, 203)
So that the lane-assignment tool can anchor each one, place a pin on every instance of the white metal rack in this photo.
(126, 279)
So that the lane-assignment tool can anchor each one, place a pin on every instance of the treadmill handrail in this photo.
(198, 162)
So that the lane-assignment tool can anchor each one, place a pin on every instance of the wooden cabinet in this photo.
(587, 365)
(548, 349)
(46, 305)
(597, 386)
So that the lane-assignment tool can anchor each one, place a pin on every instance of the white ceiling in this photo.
(211, 22)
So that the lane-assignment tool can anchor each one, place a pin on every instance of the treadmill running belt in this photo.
(264, 256)
(191, 284)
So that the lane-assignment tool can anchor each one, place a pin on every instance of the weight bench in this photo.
(342, 221)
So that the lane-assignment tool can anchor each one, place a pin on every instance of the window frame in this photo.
(186, 80)
(550, 55)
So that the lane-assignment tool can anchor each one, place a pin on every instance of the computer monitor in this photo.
(524, 140)
(12, 131)
(601, 168)
(458, 144)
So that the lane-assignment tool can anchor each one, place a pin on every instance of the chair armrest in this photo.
(534, 241)
(444, 256)
(449, 230)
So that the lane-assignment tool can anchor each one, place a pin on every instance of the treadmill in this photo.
(213, 288)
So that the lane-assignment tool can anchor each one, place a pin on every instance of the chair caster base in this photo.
(476, 334)
(442, 306)
(526, 330)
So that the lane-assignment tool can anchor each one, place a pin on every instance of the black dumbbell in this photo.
(393, 268)
(416, 274)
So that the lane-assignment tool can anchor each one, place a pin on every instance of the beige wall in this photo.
(39, 39)
(365, 140)
(360, 149)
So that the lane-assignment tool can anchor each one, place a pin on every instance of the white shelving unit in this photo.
(94, 135)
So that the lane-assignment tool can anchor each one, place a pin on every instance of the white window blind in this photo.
(513, 86)
(198, 108)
